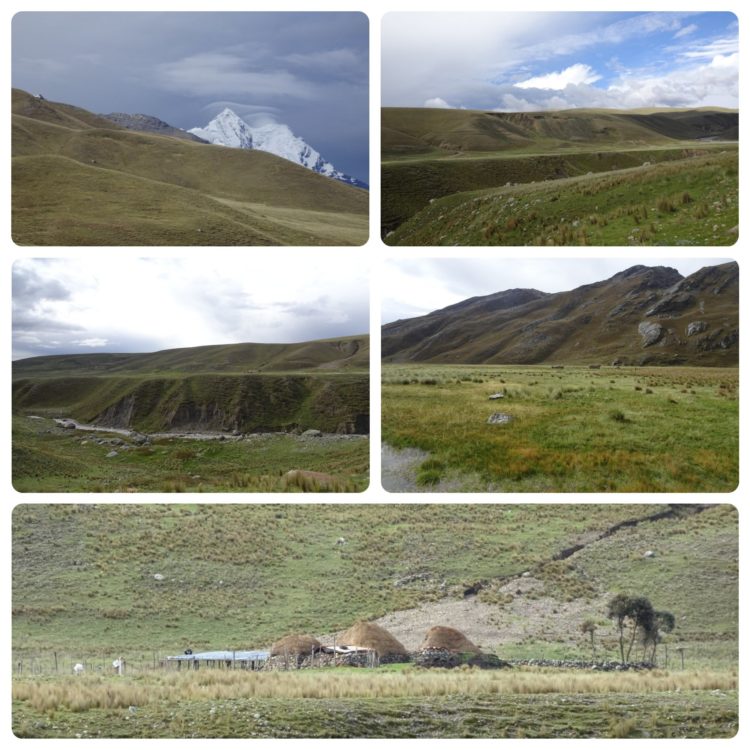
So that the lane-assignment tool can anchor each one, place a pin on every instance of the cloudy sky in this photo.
(419, 286)
(308, 70)
(536, 61)
(143, 305)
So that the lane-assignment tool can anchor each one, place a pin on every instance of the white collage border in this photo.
(374, 254)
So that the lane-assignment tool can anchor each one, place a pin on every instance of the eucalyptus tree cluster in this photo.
(637, 615)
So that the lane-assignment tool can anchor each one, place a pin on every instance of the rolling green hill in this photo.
(454, 131)
(242, 387)
(477, 178)
(79, 179)
(348, 353)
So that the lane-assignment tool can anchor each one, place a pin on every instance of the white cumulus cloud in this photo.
(573, 75)
(437, 103)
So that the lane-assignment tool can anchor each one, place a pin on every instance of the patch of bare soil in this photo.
(494, 625)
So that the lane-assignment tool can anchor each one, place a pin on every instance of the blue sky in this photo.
(527, 61)
(308, 70)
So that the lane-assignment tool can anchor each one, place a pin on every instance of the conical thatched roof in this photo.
(372, 636)
(295, 645)
(448, 639)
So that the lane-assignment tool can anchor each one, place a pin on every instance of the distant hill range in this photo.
(246, 387)
(643, 315)
(412, 131)
(150, 124)
(229, 129)
(81, 179)
(348, 353)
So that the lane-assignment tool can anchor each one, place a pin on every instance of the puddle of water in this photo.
(399, 468)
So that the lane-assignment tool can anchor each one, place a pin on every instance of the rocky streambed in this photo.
(140, 438)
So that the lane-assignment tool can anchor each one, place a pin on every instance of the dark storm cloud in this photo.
(309, 70)
(29, 287)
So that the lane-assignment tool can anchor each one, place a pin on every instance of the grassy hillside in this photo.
(444, 131)
(686, 201)
(346, 353)
(244, 387)
(485, 178)
(246, 403)
(79, 179)
(83, 575)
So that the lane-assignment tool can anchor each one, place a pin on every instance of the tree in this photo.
(617, 610)
(589, 626)
(641, 614)
(662, 622)
(636, 610)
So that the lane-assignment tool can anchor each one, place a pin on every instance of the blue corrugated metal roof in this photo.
(223, 656)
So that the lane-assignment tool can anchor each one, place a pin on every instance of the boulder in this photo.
(695, 326)
(499, 418)
(112, 454)
(312, 433)
(495, 396)
(650, 333)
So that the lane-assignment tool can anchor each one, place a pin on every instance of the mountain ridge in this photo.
(641, 315)
(149, 124)
(351, 352)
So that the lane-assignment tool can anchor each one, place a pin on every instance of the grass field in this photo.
(47, 458)
(405, 703)
(571, 430)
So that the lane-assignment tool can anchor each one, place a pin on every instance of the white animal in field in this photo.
(78, 669)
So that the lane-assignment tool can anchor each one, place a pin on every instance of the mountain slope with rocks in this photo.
(642, 315)
(150, 124)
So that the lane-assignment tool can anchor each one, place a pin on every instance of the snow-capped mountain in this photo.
(229, 129)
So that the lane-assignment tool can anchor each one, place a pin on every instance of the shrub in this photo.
(428, 478)
(617, 416)
(665, 206)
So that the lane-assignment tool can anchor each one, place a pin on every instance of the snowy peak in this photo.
(229, 129)
(226, 129)
(277, 138)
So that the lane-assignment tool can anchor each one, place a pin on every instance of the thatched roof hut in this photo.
(371, 636)
(444, 638)
(296, 645)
